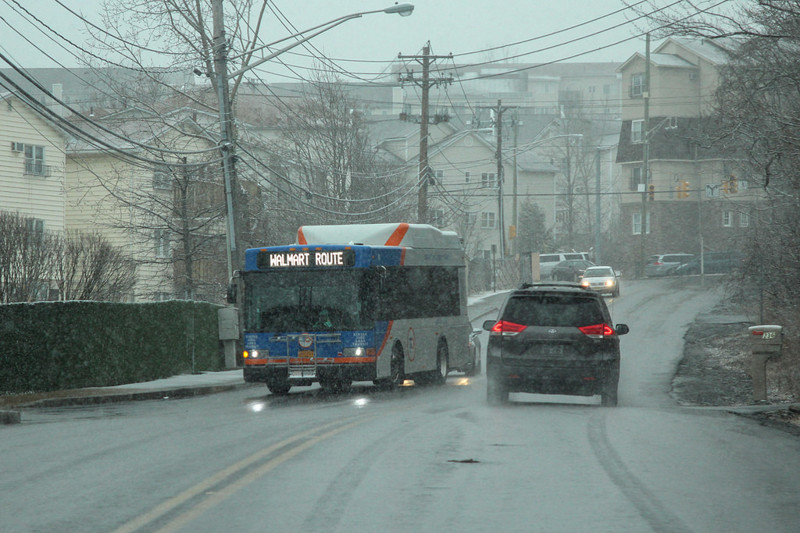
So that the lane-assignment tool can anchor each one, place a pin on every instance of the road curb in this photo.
(115, 395)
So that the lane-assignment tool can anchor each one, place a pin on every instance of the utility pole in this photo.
(598, 256)
(514, 215)
(498, 128)
(226, 126)
(425, 83)
(645, 157)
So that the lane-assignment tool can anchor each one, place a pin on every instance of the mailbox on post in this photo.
(765, 343)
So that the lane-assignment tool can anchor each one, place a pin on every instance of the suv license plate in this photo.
(551, 350)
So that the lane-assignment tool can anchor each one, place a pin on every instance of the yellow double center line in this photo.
(309, 438)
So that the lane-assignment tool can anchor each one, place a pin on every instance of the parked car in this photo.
(713, 263)
(553, 339)
(570, 270)
(548, 261)
(602, 279)
(665, 264)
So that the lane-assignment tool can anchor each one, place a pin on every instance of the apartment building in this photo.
(679, 195)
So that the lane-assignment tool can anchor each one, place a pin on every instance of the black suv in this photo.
(553, 338)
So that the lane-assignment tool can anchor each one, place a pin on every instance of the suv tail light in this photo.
(504, 327)
(597, 331)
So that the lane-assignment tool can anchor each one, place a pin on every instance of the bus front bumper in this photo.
(305, 373)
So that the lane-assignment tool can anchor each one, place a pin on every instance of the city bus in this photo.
(367, 302)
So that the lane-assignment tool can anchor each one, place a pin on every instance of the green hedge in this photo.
(65, 345)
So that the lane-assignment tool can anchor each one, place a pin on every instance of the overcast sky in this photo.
(472, 30)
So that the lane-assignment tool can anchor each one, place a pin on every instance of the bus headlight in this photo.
(255, 354)
(354, 352)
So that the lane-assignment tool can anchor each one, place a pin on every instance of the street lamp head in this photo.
(403, 10)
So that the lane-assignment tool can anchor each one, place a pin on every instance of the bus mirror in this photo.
(233, 292)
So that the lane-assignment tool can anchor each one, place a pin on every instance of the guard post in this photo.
(765, 343)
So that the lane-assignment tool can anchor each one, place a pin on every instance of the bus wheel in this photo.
(278, 387)
(441, 364)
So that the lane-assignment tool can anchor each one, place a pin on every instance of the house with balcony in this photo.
(678, 194)
(32, 162)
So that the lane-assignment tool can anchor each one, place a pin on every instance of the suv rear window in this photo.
(573, 256)
(557, 310)
(677, 258)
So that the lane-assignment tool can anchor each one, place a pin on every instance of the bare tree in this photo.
(323, 167)
(80, 266)
(26, 255)
(87, 267)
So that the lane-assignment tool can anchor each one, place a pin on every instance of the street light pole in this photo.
(227, 137)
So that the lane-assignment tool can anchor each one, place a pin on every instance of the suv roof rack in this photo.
(560, 284)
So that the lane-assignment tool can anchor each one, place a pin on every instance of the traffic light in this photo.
(726, 186)
(733, 185)
(683, 189)
(651, 194)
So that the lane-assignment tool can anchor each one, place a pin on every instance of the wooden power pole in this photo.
(425, 83)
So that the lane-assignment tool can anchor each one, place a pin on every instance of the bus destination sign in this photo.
(306, 258)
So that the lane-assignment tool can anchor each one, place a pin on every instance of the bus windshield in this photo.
(303, 300)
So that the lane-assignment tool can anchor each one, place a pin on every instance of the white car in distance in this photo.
(602, 279)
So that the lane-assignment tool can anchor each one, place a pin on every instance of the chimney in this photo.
(58, 93)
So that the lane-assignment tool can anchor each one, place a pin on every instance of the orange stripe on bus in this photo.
(328, 360)
(397, 236)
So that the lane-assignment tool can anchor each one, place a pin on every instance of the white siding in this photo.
(31, 195)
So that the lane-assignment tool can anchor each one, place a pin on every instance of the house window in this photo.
(466, 177)
(470, 219)
(437, 218)
(162, 178)
(637, 223)
(34, 160)
(636, 178)
(487, 220)
(489, 180)
(744, 220)
(637, 131)
(727, 219)
(35, 231)
(161, 240)
(637, 85)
